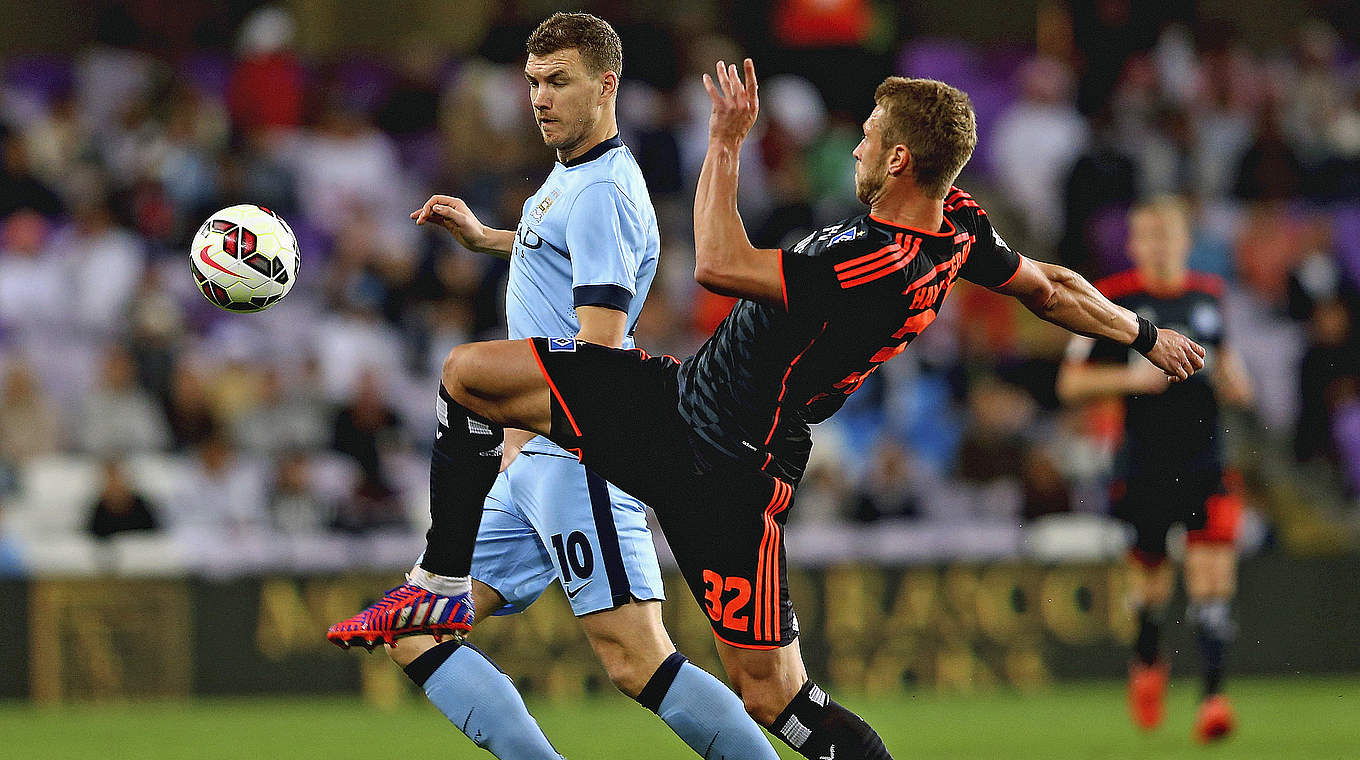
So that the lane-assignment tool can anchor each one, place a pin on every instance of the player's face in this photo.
(1159, 242)
(565, 97)
(871, 159)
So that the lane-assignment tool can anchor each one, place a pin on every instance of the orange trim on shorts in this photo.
(553, 386)
(759, 647)
(767, 624)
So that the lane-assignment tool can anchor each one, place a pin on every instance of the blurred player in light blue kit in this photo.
(581, 262)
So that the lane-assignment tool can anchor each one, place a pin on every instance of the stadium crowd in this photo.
(130, 404)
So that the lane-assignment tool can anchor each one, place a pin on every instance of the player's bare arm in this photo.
(1232, 384)
(454, 215)
(1079, 380)
(725, 262)
(1063, 297)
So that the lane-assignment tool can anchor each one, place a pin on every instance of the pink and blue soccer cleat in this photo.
(406, 610)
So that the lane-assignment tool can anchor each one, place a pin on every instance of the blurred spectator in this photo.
(188, 409)
(1329, 378)
(294, 505)
(103, 264)
(33, 287)
(1096, 195)
(119, 508)
(890, 487)
(29, 424)
(267, 84)
(118, 416)
(364, 427)
(994, 443)
(287, 415)
(220, 496)
(1035, 144)
(19, 188)
(1045, 489)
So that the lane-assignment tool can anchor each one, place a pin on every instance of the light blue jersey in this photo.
(588, 237)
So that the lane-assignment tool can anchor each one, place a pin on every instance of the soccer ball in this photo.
(244, 258)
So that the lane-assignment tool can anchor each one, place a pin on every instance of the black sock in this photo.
(1214, 630)
(463, 465)
(817, 728)
(1149, 633)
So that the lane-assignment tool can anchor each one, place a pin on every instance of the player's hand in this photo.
(455, 216)
(1176, 355)
(735, 103)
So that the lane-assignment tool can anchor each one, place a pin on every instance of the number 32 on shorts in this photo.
(728, 614)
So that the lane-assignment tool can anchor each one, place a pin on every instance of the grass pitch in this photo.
(1279, 719)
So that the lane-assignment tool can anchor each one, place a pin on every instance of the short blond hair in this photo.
(936, 123)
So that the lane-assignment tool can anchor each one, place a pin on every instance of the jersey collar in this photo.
(949, 224)
(595, 152)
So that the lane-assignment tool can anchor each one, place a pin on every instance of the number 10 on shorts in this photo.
(727, 613)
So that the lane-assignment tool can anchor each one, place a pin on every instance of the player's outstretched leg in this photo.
(481, 700)
(437, 595)
(636, 651)
(777, 692)
(1210, 579)
(1151, 578)
(483, 387)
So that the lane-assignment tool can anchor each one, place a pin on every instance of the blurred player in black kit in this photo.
(1170, 469)
(717, 443)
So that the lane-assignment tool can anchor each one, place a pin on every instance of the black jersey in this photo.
(855, 294)
(1176, 431)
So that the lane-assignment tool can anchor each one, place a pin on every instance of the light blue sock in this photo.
(704, 713)
(481, 701)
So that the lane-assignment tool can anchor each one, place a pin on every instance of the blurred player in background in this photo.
(717, 443)
(581, 262)
(1170, 469)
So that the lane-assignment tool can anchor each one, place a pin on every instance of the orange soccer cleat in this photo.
(1215, 720)
(1147, 694)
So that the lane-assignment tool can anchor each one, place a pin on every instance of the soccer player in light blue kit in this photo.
(581, 262)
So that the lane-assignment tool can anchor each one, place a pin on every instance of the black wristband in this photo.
(1147, 337)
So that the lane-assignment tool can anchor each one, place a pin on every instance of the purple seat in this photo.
(47, 76)
(988, 80)
(208, 72)
(1346, 239)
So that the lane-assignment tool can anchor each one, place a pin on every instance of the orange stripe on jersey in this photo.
(885, 250)
(556, 393)
(899, 262)
(928, 276)
(783, 385)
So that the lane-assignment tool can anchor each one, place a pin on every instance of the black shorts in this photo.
(1152, 504)
(616, 409)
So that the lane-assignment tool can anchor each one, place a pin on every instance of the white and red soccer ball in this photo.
(244, 258)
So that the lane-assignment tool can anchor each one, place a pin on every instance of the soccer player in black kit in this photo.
(1170, 468)
(717, 443)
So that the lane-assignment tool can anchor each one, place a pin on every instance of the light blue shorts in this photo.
(549, 517)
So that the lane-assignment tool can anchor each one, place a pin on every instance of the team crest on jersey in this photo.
(847, 235)
(556, 345)
(544, 205)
